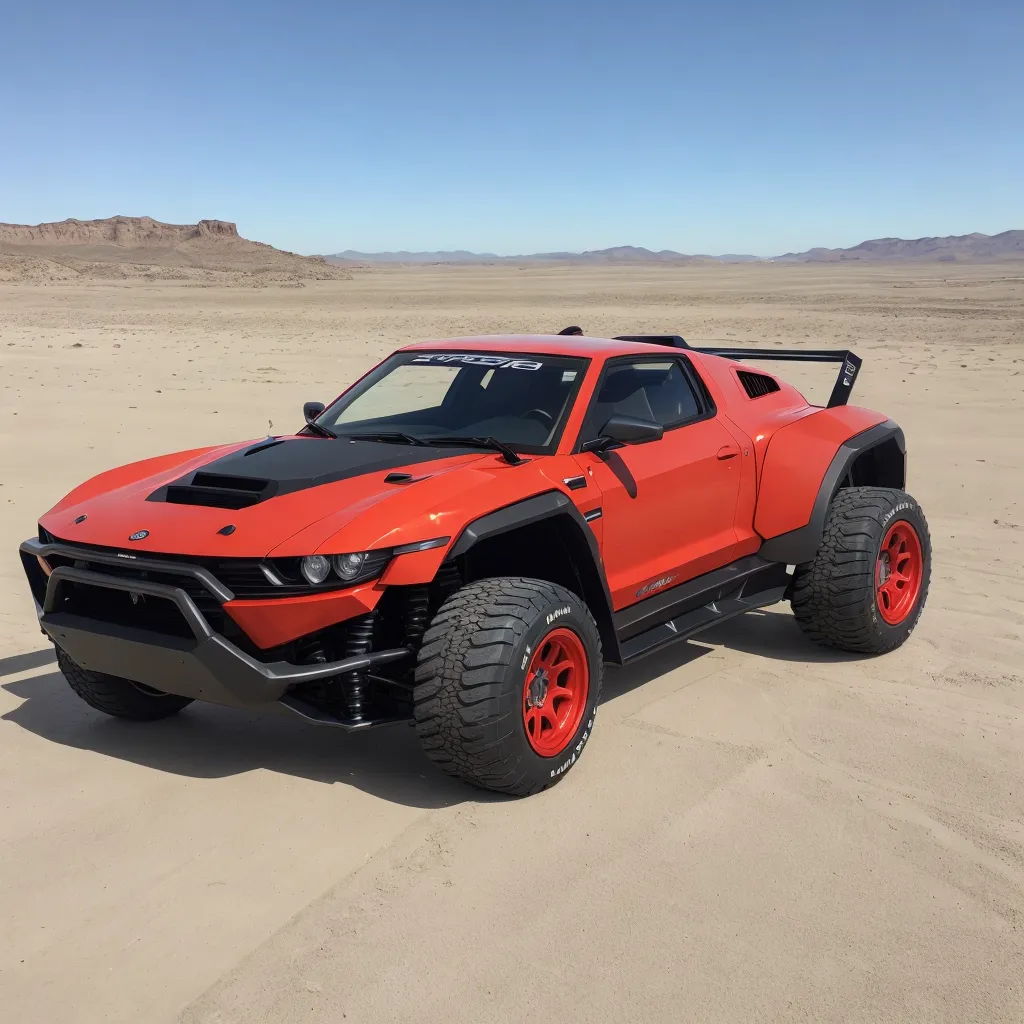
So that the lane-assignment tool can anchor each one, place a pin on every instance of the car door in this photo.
(668, 507)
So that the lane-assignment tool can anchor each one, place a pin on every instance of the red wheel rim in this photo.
(898, 573)
(555, 692)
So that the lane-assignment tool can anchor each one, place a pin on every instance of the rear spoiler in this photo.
(848, 370)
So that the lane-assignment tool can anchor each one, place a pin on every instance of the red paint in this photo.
(275, 621)
(555, 692)
(682, 521)
(899, 572)
(796, 461)
(694, 510)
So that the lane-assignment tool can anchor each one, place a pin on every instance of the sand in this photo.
(760, 829)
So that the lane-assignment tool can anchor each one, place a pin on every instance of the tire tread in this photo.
(463, 707)
(833, 595)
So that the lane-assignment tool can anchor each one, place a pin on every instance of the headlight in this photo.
(315, 568)
(328, 570)
(348, 567)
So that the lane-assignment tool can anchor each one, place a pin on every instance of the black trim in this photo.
(847, 377)
(848, 370)
(138, 563)
(800, 545)
(244, 478)
(757, 385)
(592, 515)
(614, 461)
(522, 513)
(247, 578)
(204, 666)
(550, 505)
(420, 545)
(575, 483)
(745, 575)
(697, 620)
(672, 340)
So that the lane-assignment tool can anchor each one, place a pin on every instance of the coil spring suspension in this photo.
(417, 610)
(448, 580)
(356, 685)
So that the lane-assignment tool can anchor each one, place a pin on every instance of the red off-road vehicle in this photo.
(468, 533)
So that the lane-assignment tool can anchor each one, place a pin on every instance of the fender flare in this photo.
(801, 545)
(556, 507)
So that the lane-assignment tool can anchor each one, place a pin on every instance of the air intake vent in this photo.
(757, 385)
(216, 490)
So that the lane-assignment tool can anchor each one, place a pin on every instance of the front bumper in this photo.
(198, 663)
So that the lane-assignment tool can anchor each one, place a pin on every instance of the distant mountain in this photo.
(616, 254)
(455, 256)
(953, 248)
(977, 248)
(119, 247)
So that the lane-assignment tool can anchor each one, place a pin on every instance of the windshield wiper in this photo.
(388, 437)
(321, 430)
(507, 452)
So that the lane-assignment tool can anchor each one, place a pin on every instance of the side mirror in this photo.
(311, 410)
(632, 430)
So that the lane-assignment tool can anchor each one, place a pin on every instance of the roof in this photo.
(540, 344)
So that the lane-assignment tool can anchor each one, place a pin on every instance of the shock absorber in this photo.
(448, 580)
(417, 605)
(356, 684)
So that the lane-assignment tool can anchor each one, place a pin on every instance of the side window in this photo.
(669, 393)
(649, 390)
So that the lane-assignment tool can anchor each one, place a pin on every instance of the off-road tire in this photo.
(119, 697)
(835, 596)
(470, 677)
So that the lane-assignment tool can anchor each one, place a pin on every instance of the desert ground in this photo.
(759, 830)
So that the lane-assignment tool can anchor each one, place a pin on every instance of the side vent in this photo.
(757, 385)
(215, 490)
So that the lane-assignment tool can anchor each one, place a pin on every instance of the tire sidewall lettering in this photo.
(566, 615)
(903, 506)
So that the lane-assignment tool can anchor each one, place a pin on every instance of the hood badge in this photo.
(139, 535)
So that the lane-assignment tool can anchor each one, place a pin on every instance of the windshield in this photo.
(522, 401)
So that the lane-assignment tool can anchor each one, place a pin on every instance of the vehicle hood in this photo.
(304, 492)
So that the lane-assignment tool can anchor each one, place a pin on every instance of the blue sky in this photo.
(519, 127)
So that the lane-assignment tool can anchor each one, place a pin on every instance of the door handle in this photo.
(728, 451)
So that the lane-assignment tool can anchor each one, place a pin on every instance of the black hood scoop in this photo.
(272, 468)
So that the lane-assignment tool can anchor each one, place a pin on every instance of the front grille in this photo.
(205, 601)
(242, 576)
(121, 608)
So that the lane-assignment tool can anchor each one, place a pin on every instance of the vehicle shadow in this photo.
(24, 662)
(772, 634)
(206, 741)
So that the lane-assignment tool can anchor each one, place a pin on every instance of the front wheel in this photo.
(119, 697)
(866, 586)
(507, 684)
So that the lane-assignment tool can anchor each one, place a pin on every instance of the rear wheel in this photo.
(867, 584)
(507, 684)
(119, 697)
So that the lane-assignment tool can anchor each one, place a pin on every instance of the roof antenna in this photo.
(573, 331)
